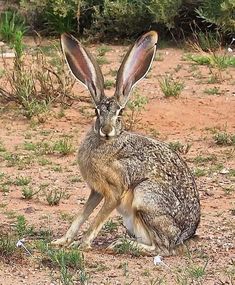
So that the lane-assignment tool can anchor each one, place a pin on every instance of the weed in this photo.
(43, 161)
(112, 72)
(108, 84)
(54, 196)
(201, 160)
(127, 247)
(197, 272)
(57, 168)
(2, 72)
(178, 67)
(198, 172)
(22, 227)
(124, 266)
(224, 139)
(28, 193)
(212, 91)
(170, 87)
(228, 190)
(214, 78)
(208, 41)
(159, 57)
(215, 168)
(110, 226)
(63, 146)
(64, 260)
(75, 179)
(7, 245)
(72, 258)
(11, 23)
(22, 181)
(102, 60)
(213, 60)
(2, 148)
(21, 161)
(136, 106)
(5, 189)
(179, 147)
(38, 148)
(103, 49)
(232, 172)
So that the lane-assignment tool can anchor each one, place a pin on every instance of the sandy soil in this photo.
(190, 119)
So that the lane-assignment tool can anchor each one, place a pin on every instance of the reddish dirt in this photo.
(189, 119)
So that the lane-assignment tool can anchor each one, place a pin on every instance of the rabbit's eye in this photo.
(97, 112)
(120, 112)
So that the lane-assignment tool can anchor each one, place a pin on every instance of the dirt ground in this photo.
(191, 120)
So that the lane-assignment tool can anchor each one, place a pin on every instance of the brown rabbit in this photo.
(149, 184)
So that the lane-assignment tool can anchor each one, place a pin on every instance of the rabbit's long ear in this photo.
(83, 66)
(135, 65)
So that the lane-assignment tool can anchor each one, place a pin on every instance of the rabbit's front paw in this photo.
(81, 245)
(64, 241)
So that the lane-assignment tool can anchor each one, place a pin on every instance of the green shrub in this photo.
(52, 16)
(11, 25)
(170, 87)
(219, 12)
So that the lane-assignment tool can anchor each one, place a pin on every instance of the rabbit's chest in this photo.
(100, 173)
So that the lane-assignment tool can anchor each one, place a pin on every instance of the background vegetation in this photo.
(111, 19)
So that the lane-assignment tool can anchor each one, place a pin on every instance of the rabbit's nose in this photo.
(107, 130)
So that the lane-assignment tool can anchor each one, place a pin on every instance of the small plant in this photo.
(198, 172)
(224, 139)
(127, 247)
(39, 148)
(197, 272)
(65, 260)
(179, 147)
(110, 226)
(207, 41)
(136, 106)
(214, 78)
(7, 245)
(108, 84)
(54, 196)
(101, 60)
(22, 181)
(2, 148)
(11, 23)
(170, 87)
(212, 91)
(63, 146)
(201, 160)
(22, 227)
(28, 193)
(103, 49)
(213, 60)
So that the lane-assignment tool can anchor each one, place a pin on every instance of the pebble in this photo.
(8, 55)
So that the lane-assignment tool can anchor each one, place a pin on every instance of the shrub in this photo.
(52, 16)
(170, 87)
(11, 25)
(219, 12)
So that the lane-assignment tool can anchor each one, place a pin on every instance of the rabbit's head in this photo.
(134, 67)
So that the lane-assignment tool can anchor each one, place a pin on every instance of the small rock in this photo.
(29, 210)
(8, 55)
(224, 171)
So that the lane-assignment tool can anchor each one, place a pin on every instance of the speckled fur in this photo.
(149, 184)
(164, 193)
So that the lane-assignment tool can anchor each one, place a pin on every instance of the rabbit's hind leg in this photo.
(152, 215)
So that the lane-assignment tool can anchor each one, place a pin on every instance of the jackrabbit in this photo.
(149, 184)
